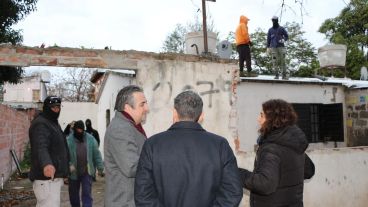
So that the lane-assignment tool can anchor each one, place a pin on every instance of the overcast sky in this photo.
(143, 24)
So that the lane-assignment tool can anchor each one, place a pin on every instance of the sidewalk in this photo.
(19, 193)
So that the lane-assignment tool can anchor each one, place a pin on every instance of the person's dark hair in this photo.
(125, 96)
(279, 114)
(189, 106)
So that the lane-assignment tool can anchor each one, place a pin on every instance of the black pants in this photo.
(244, 55)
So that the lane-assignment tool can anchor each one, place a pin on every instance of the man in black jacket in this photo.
(49, 154)
(186, 165)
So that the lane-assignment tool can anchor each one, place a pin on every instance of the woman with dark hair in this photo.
(278, 175)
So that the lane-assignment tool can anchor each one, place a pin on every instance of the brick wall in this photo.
(357, 117)
(14, 127)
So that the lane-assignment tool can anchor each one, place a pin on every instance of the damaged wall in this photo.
(340, 178)
(252, 93)
(14, 127)
(357, 117)
(162, 76)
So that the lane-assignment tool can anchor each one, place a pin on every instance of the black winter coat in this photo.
(187, 166)
(48, 146)
(278, 176)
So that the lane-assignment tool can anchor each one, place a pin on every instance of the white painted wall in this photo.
(74, 111)
(113, 84)
(164, 80)
(22, 92)
(340, 178)
(251, 95)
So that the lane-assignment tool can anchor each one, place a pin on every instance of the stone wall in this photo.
(357, 120)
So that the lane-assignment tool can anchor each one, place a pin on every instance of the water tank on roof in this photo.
(194, 41)
(45, 76)
(330, 56)
(224, 49)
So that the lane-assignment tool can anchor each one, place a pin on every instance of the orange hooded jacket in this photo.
(241, 33)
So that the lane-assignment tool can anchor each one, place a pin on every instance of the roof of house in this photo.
(347, 82)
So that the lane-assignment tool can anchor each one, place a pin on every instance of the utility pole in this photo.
(204, 16)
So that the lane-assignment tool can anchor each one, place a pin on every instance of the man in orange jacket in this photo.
(243, 44)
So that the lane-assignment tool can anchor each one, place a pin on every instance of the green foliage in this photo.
(26, 162)
(350, 28)
(175, 41)
(300, 57)
(10, 74)
(11, 12)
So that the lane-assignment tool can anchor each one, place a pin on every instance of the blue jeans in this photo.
(74, 191)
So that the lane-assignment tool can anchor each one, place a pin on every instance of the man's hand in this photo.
(101, 173)
(49, 171)
(72, 168)
(268, 51)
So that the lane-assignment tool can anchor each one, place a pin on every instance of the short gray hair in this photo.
(189, 106)
(125, 96)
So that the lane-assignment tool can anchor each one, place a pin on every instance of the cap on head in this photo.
(52, 101)
(274, 18)
(79, 125)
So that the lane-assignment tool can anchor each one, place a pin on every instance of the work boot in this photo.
(242, 74)
(251, 74)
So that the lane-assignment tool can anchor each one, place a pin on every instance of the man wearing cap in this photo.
(85, 157)
(243, 44)
(123, 143)
(186, 165)
(276, 38)
(49, 154)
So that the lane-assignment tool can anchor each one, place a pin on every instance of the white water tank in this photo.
(196, 38)
(332, 56)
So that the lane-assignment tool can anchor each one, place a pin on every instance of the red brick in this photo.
(95, 63)
(29, 51)
(3, 145)
(5, 50)
(44, 61)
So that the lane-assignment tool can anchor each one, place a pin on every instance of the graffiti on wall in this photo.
(163, 91)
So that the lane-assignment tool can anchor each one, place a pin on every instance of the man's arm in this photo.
(41, 141)
(230, 192)
(124, 151)
(145, 193)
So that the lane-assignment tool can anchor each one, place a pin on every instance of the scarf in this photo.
(137, 126)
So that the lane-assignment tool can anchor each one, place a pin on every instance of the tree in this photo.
(175, 41)
(11, 12)
(350, 28)
(73, 85)
(301, 58)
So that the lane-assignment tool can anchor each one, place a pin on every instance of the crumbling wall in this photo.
(14, 127)
(357, 117)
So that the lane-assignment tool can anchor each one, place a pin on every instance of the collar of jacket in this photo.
(186, 125)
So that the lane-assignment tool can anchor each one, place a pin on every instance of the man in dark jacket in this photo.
(49, 154)
(276, 38)
(92, 131)
(186, 165)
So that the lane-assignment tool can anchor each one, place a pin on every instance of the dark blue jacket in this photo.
(187, 166)
(276, 37)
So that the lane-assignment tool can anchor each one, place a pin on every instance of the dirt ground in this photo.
(18, 193)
